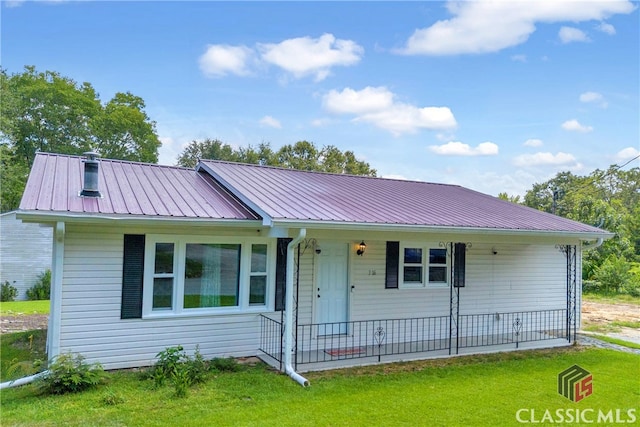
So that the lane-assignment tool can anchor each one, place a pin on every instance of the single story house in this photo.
(306, 270)
(25, 252)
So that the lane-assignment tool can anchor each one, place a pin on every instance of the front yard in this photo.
(464, 391)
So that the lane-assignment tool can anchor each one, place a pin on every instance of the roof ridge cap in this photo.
(134, 162)
(379, 178)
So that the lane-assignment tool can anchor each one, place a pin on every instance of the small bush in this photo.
(112, 398)
(167, 365)
(176, 366)
(42, 289)
(225, 364)
(181, 380)
(9, 292)
(69, 373)
(197, 367)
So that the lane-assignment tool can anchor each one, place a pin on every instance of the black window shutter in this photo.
(391, 273)
(281, 271)
(459, 261)
(132, 276)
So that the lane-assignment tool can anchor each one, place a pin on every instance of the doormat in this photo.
(336, 352)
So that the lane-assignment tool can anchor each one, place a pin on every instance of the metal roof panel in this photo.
(288, 194)
(132, 188)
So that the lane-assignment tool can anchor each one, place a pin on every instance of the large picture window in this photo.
(191, 275)
(211, 275)
(423, 266)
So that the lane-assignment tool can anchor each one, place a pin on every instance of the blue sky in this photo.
(494, 96)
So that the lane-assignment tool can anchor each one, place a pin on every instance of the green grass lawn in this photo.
(19, 350)
(612, 299)
(617, 341)
(465, 391)
(17, 308)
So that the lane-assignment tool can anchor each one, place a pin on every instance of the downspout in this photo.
(288, 307)
(22, 381)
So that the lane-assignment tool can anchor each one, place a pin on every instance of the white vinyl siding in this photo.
(519, 277)
(91, 299)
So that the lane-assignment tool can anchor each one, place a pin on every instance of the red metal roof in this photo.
(128, 188)
(286, 194)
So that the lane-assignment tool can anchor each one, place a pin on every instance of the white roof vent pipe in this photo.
(90, 186)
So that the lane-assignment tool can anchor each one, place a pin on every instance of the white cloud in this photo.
(455, 148)
(300, 57)
(533, 142)
(590, 97)
(220, 60)
(627, 154)
(320, 122)
(351, 101)
(544, 159)
(308, 56)
(376, 105)
(571, 34)
(594, 97)
(270, 122)
(17, 3)
(519, 58)
(490, 26)
(606, 28)
(575, 126)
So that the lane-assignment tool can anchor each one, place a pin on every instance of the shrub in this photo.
(167, 365)
(632, 286)
(225, 364)
(112, 398)
(69, 373)
(42, 288)
(9, 292)
(181, 380)
(612, 274)
(197, 367)
(176, 366)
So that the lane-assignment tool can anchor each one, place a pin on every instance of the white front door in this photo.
(332, 289)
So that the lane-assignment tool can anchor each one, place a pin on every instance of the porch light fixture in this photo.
(361, 248)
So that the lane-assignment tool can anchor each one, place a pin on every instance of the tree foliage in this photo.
(45, 111)
(302, 155)
(607, 199)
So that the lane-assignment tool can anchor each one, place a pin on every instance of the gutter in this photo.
(417, 228)
(288, 307)
(592, 245)
(22, 381)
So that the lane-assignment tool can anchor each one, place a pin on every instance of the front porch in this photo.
(343, 344)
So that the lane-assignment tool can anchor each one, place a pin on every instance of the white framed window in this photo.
(191, 275)
(423, 266)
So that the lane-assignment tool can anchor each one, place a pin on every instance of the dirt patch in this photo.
(607, 317)
(25, 322)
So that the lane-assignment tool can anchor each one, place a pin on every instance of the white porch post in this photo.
(55, 304)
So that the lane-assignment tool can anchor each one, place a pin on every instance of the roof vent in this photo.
(90, 188)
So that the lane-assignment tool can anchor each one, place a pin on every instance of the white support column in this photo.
(55, 312)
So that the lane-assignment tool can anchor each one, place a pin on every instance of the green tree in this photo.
(13, 178)
(45, 111)
(608, 199)
(508, 198)
(209, 149)
(302, 155)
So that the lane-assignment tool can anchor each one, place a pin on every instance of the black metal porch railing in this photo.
(376, 338)
(271, 336)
